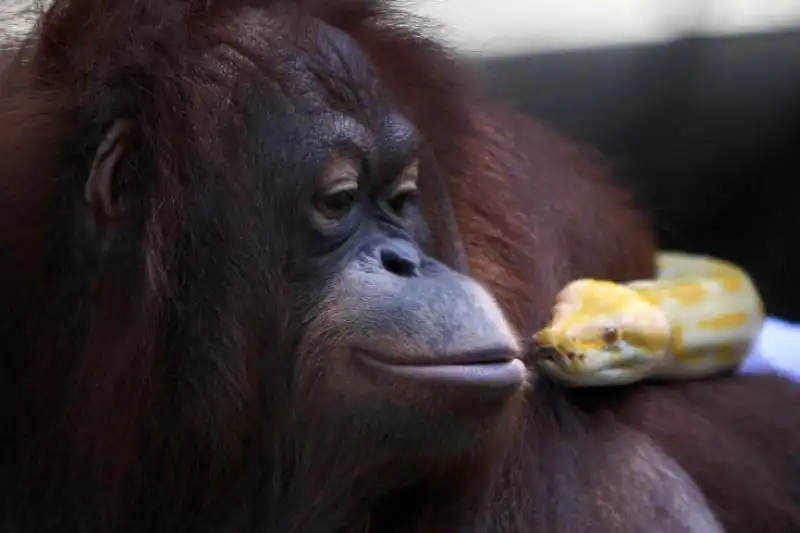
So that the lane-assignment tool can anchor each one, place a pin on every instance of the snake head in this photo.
(601, 326)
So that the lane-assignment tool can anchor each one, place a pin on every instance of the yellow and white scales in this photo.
(699, 317)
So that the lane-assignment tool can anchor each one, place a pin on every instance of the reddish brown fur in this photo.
(535, 212)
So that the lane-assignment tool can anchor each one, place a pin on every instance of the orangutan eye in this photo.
(405, 190)
(400, 201)
(338, 189)
(610, 336)
(336, 204)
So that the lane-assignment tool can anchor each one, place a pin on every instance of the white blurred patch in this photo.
(518, 26)
(776, 350)
(16, 19)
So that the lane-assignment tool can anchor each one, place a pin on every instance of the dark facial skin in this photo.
(402, 315)
(392, 328)
(386, 319)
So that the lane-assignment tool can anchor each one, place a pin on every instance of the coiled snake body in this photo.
(697, 318)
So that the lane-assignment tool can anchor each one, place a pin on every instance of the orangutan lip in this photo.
(488, 356)
(508, 372)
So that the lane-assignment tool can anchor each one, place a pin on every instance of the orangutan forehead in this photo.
(286, 42)
(388, 146)
(277, 56)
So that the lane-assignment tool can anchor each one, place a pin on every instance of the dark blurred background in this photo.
(703, 125)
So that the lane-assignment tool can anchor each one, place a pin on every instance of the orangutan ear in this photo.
(103, 187)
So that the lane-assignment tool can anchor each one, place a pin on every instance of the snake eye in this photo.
(610, 335)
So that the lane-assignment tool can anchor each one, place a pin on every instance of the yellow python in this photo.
(697, 318)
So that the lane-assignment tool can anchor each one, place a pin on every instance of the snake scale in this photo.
(699, 317)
